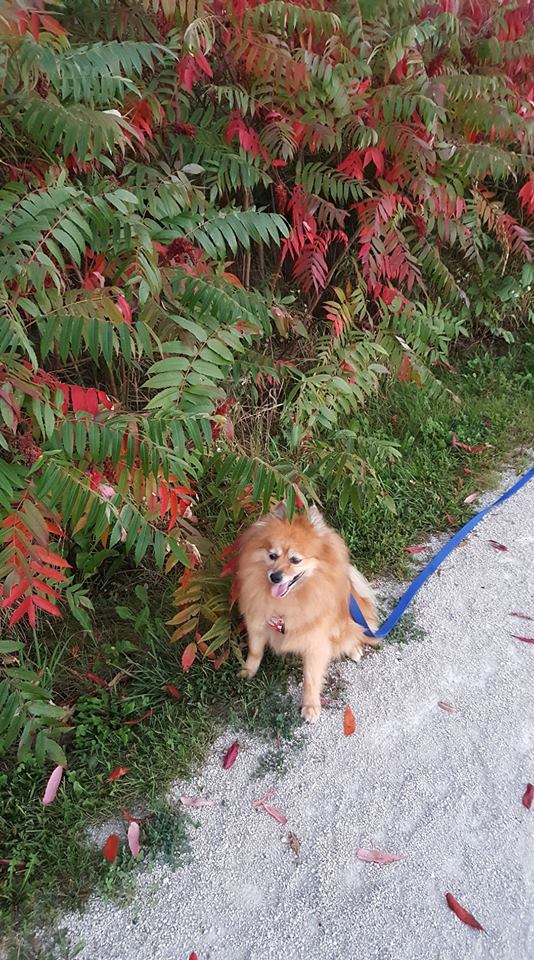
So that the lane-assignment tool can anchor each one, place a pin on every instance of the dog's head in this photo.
(289, 552)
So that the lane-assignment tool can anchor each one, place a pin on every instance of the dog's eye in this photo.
(273, 555)
(295, 560)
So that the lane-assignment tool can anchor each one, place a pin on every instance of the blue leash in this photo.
(433, 565)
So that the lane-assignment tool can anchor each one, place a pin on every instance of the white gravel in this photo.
(442, 788)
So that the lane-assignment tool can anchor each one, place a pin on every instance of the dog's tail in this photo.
(365, 596)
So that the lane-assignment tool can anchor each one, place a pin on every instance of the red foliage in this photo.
(247, 136)
(191, 69)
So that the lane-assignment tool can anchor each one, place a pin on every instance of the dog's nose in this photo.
(276, 576)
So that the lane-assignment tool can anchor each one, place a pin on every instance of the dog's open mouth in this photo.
(279, 590)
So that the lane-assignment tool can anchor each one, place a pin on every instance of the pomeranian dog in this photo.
(295, 580)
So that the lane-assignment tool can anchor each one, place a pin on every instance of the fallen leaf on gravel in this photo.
(196, 802)
(523, 639)
(52, 786)
(133, 838)
(472, 496)
(275, 814)
(118, 772)
(230, 756)
(447, 706)
(522, 616)
(462, 913)
(144, 716)
(193, 956)
(188, 656)
(378, 856)
(497, 546)
(111, 848)
(349, 722)
(294, 843)
(266, 796)
(528, 796)
(415, 549)
(174, 692)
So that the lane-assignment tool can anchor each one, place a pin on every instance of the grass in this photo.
(429, 483)
(60, 868)
(50, 864)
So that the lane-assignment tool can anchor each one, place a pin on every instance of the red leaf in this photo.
(34, 26)
(196, 802)
(77, 398)
(472, 496)
(144, 716)
(46, 605)
(465, 446)
(118, 772)
(24, 609)
(523, 639)
(15, 594)
(48, 557)
(174, 692)
(96, 679)
(230, 756)
(231, 548)
(127, 816)
(266, 796)
(133, 838)
(522, 616)
(349, 722)
(51, 25)
(217, 664)
(47, 572)
(193, 956)
(111, 848)
(125, 309)
(44, 588)
(378, 856)
(52, 786)
(447, 706)
(404, 368)
(528, 796)
(497, 546)
(275, 814)
(189, 656)
(462, 913)
(415, 549)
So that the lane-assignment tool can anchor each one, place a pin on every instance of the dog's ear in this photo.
(280, 511)
(316, 519)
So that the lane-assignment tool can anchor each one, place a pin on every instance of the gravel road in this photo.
(443, 789)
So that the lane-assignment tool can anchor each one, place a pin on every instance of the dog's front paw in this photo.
(250, 669)
(311, 712)
(355, 653)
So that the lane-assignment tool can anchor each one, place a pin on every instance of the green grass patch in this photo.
(429, 483)
(50, 864)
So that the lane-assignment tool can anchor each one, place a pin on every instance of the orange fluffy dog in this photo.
(295, 580)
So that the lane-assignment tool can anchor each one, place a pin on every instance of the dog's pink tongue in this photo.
(278, 589)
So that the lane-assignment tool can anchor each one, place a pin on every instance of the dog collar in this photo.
(278, 624)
